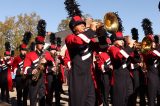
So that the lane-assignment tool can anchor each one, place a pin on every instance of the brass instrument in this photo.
(144, 46)
(111, 22)
(40, 67)
(137, 46)
(57, 63)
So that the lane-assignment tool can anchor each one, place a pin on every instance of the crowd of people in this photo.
(102, 68)
(38, 73)
(114, 67)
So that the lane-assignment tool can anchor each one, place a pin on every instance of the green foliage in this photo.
(13, 29)
(64, 25)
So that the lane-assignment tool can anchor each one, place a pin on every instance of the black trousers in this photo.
(136, 86)
(54, 85)
(4, 87)
(122, 87)
(143, 87)
(153, 87)
(37, 88)
(22, 90)
(105, 88)
(81, 88)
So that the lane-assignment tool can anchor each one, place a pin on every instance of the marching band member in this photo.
(152, 61)
(80, 46)
(6, 74)
(52, 78)
(17, 67)
(122, 84)
(81, 59)
(133, 68)
(52, 71)
(156, 39)
(103, 62)
(122, 79)
(61, 75)
(34, 67)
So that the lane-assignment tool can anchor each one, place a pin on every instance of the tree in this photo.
(26, 22)
(13, 29)
(64, 24)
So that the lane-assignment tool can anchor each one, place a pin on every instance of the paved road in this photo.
(64, 98)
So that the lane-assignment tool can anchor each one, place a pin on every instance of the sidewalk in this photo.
(64, 98)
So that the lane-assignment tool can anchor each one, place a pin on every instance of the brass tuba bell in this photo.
(111, 22)
(146, 45)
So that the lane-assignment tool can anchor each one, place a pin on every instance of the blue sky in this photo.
(53, 11)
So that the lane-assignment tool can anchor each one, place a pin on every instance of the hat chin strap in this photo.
(117, 45)
(38, 50)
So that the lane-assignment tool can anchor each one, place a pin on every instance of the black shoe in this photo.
(2, 98)
(8, 101)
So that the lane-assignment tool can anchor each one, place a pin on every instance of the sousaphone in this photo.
(111, 22)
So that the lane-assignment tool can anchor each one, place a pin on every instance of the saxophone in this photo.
(57, 63)
(40, 68)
